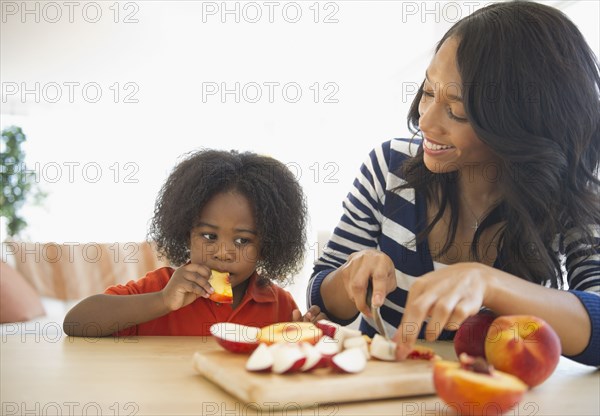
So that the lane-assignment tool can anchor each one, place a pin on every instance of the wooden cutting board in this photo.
(379, 380)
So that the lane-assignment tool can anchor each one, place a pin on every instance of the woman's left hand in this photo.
(447, 297)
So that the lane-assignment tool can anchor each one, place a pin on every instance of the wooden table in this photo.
(154, 376)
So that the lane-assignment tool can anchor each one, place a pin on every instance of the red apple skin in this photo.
(329, 328)
(237, 338)
(297, 366)
(524, 346)
(474, 394)
(237, 347)
(217, 297)
(421, 352)
(470, 337)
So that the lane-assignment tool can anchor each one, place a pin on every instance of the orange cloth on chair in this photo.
(261, 306)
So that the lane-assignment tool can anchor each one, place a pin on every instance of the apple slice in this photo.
(383, 349)
(314, 358)
(290, 332)
(358, 342)
(261, 360)
(327, 347)
(287, 358)
(220, 282)
(329, 328)
(344, 333)
(352, 360)
(235, 337)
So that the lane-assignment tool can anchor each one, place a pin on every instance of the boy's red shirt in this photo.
(261, 306)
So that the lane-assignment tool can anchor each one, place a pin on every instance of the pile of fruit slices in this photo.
(289, 347)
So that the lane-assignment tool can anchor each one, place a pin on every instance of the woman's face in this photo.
(449, 141)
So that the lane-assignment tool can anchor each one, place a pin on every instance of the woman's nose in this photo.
(430, 116)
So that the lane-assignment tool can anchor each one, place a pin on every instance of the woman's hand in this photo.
(447, 297)
(313, 315)
(363, 266)
(187, 284)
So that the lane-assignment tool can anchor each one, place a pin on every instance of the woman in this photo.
(497, 205)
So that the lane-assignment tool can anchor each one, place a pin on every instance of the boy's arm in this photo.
(102, 315)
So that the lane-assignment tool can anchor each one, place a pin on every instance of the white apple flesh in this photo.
(352, 360)
(235, 337)
(360, 343)
(313, 357)
(260, 360)
(287, 358)
(383, 349)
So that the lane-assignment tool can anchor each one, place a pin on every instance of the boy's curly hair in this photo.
(273, 191)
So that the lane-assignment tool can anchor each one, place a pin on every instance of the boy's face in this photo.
(225, 238)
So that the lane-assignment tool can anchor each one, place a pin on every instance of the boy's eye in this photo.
(242, 241)
(209, 236)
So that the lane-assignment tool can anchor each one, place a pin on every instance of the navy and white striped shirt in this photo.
(378, 216)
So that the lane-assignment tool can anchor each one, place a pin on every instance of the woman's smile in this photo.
(436, 149)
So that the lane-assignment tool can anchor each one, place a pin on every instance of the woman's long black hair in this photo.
(531, 92)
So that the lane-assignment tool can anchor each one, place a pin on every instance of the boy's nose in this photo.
(224, 252)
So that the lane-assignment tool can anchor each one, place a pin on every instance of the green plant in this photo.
(17, 182)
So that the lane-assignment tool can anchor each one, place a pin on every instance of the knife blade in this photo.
(376, 312)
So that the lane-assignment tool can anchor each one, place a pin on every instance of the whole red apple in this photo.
(470, 337)
(524, 346)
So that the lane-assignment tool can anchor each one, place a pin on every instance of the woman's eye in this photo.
(454, 117)
(428, 93)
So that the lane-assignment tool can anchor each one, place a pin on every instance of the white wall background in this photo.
(102, 159)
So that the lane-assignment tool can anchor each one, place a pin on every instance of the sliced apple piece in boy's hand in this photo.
(222, 286)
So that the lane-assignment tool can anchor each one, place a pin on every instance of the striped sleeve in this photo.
(360, 225)
(583, 262)
(583, 276)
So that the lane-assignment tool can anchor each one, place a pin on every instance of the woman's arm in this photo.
(358, 229)
(561, 309)
(450, 295)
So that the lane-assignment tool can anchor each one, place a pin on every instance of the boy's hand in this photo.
(313, 315)
(187, 284)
